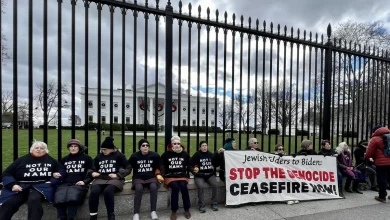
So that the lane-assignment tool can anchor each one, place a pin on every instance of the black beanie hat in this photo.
(201, 143)
(108, 143)
(228, 140)
(140, 142)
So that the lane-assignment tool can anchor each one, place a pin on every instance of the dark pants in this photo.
(212, 181)
(108, 191)
(139, 189)
(176, 186)
(382, 174)
(339, 178)
(62, 208)
(370, 172)
(34, 204)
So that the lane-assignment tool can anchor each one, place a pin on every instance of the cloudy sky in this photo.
(310, 15)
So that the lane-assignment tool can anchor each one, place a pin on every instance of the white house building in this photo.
(146, 106)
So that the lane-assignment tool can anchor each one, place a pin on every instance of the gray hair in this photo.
(39, 144)
(252, 140)
(177, 138)
(305, 144)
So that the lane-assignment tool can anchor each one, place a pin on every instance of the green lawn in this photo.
(7, 140)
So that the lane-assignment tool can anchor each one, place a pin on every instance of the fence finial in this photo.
(242, 21)
(169, 2)
(264, 25)
(199, 11)
(216, 15)
(329, 31)
(190, 8)
(257, 24)
(180, 6)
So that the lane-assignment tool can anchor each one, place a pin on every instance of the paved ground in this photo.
(354, 207)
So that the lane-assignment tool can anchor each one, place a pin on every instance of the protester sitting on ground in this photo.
(253, 144)
(30, 178)
(279, 150)
(71, 193)
(365, 166)
(375, 150)
(204, 172)
(146, 173)
(344, 160)
(219, 158)
(307, 148)
(175, 163)
(111, 168)
(327, 150)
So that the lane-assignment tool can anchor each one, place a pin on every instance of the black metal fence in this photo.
(223, 74)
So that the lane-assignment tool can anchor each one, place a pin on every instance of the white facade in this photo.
(149, 104)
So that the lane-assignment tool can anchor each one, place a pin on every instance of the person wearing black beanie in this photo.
(146, 167)
(204, 172)
(111, 168)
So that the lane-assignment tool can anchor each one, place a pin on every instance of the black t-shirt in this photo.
(111, 163)
(202, 160)
(175, 164)
(77, 167)
(33, 169)
(144, 166)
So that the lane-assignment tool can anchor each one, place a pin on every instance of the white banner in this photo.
(253, 176)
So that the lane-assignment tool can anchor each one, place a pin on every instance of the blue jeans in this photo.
(339, 178)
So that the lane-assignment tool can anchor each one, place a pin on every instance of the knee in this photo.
(183, 185)
(153, 187)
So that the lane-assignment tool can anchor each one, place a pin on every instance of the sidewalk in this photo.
(354, 207)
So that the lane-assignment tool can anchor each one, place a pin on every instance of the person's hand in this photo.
(17, 188)
(221, 150)
(112, 175)
(95, 174)
(350, 168)
(160, 179)
(80, 183)
(56, 175)
(372, 160)
(335, 155)
(196, 169)
(48, 182)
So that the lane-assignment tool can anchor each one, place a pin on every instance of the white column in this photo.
(136, 110)
(151, 108)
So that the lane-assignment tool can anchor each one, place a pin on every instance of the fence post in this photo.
(326, 119)
(168, 72)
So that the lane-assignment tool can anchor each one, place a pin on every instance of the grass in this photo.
(268, 142)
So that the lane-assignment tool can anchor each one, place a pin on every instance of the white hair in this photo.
(39, 144)
(252, 140)
(340, 147)
(177, 138)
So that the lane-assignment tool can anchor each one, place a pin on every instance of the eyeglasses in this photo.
(145, 145)
(176, 143)
(255, 142)
(279, 149)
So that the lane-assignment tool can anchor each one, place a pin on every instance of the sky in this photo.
(312, 16)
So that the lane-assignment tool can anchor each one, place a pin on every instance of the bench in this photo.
(124, 202)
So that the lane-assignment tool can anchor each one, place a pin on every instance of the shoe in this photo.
(296, 202)
(93, 217)
(111, 216)
(348, 190)
(376, 189)
(187, 214)
(290, 202)
(153, 215)
(341, 194)
(388, 197)
(377, 198)
(136, 216)
(357, 191)
(173, 216)
(214, 207)
(202, 209)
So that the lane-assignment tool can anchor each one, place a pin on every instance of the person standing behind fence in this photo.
(365, 166)
(219, 158)
(253, 144)
(111, 168)
(146, 173)
(71, 193)
(307, 148)
(375, 150)
(344, 160)
(175, 163)
(204, 172)
(31, 178)
(327, 150)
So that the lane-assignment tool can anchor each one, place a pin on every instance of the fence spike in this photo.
(190, 8)
(208, 13)
(216, 15)
(350, 44)
(340, 42)
(249, 22)
(310, 35)
(264, 25)
(180, 6)
(285, 30)
(135, 2)
(199, 11)
(322, 38)
(304, 34)
(257, 24)
(234, 19)
(169, 2)
(292, 32)
(242, 21)
(278, 29)
(272, 27)
(225, 17)
(146, 3)
(299, 32)
(334, 41)
(157, 2)
(355, 45)
(316, 37)
(329, 31)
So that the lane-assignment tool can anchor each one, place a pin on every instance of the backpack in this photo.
(386, 141)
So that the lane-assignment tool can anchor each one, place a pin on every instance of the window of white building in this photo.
(103, 119)
(203, 111)
(203, 122)
(194, 110)
(193, 122)
(184, 122)
(212, 111)
(115, 119)
(212, 123)
(127, 120)
(90, 118)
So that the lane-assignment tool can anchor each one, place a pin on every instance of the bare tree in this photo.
(4, 53)
(6, 101)
(229, 116)
(77, 117)
(23, 114)
(52, 98)
(244, 112)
